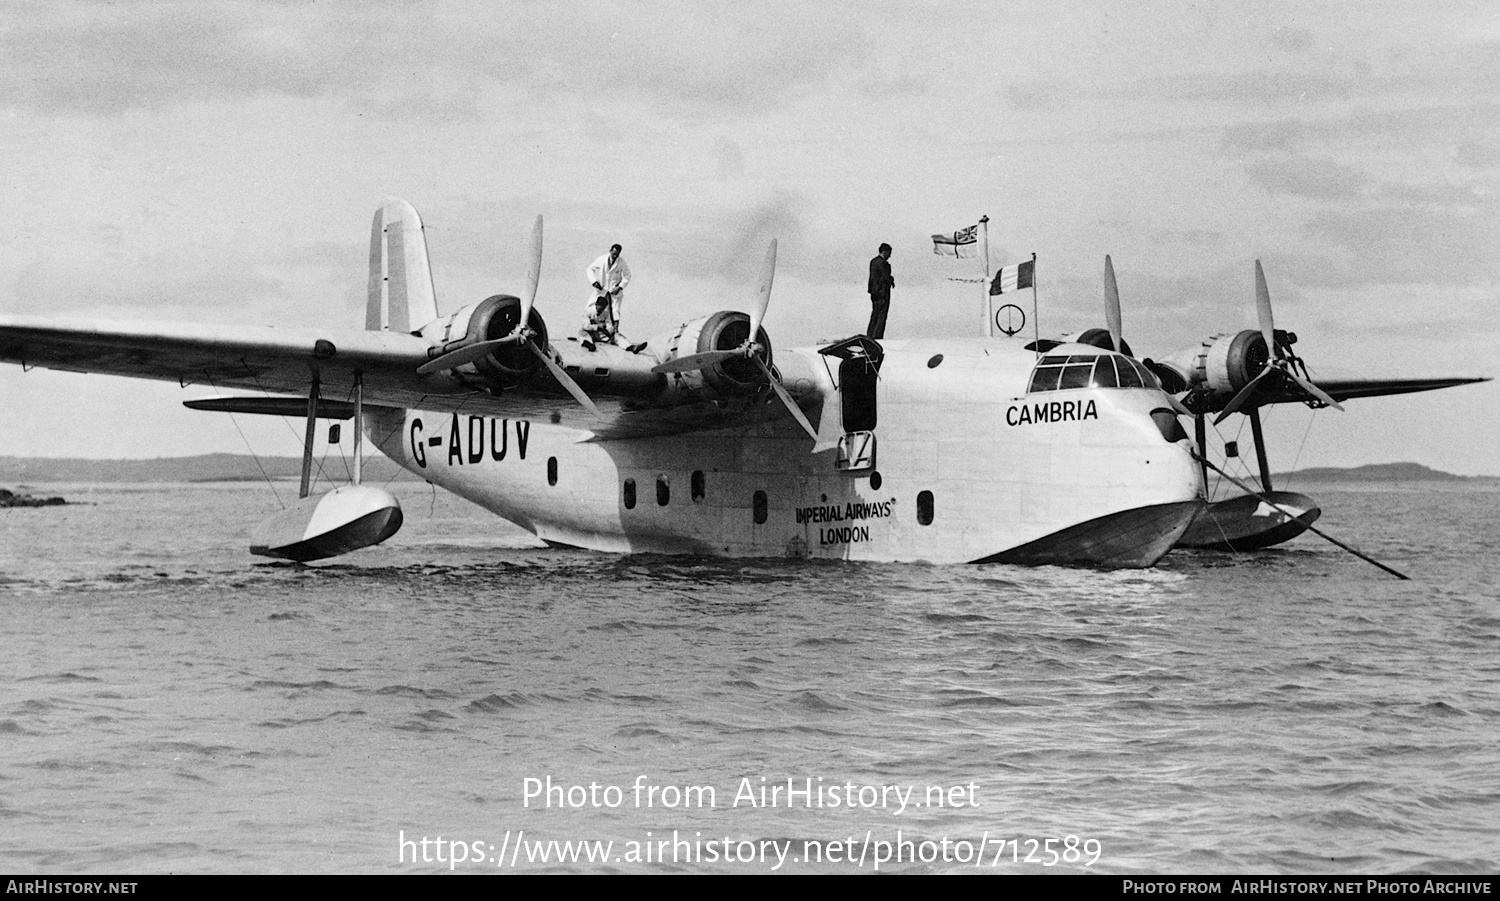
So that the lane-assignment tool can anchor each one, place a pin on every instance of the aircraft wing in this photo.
(263, 359)
(1347, 389)
(268, 360)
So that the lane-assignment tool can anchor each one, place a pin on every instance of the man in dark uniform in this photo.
(881, 283)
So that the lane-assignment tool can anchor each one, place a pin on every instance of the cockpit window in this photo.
(1044, 378)
(1076, 374)
(1104, 373)
(1147, 379)
(1058, 372)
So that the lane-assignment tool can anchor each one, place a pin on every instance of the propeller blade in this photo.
(1112, 304)
(1239, 400)
(786, 399)
(1268, 332)
(565, 380)
(1314, 390)
(466, 354)
(533, 273)
(1263, 313)
(697, 361)
(757, 315)
(763, 293)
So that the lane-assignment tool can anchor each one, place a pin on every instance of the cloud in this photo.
(681, 59)
(1296, 40)
(1440, 195)
(730, 247)
(729, 159)
(1192, 237)
(1319, 179)
(1374, 76)
(1041, 96)
(98, 58)
(1411, 245)
(1400, 127)
(1258, 88)
(224, 280)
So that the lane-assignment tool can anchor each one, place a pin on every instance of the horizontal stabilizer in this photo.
(272, 406)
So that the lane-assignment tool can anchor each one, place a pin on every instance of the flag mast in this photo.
(989, 304)
(1036, 324)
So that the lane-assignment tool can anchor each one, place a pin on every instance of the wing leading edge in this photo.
(1348, 389)
(272, 360)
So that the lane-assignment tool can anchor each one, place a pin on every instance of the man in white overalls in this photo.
(608, 276)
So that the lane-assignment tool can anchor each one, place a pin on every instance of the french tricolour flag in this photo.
(1014, 278)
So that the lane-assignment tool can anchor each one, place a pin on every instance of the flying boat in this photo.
(704, 440)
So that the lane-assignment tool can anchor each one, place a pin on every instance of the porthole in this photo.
(627, 492)
(875, 480)
(924, 508)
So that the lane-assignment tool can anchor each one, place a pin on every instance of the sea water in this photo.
(461, 699)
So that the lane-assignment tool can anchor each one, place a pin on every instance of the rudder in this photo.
(401, 297)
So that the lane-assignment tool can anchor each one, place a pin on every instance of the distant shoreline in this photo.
(1381, 472)
(205, 468)
(245, 468)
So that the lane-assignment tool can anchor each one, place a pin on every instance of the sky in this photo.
(220, 162)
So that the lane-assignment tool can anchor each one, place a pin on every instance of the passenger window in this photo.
(759, 508)
(924, 508)
(698, 487)
(628, 492)
(551, 470)
(663, 491)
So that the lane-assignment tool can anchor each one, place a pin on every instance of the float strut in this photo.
(1200, 433)
(307, 439)
(1260, 449)
(359, 424)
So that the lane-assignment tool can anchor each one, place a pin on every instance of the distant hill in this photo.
(244, 468)
(206, 468)
(1379, 472)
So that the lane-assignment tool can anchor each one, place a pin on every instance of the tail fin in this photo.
(401, 295)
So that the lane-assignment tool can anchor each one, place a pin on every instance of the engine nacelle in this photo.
(491, 318)
(1099, 337)
(725, 330)
(1223, 364)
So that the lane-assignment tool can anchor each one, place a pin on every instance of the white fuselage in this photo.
(966, 464)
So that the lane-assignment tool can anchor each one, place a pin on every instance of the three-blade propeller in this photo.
(1277, 361)
(523, 334)
(751, 349)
